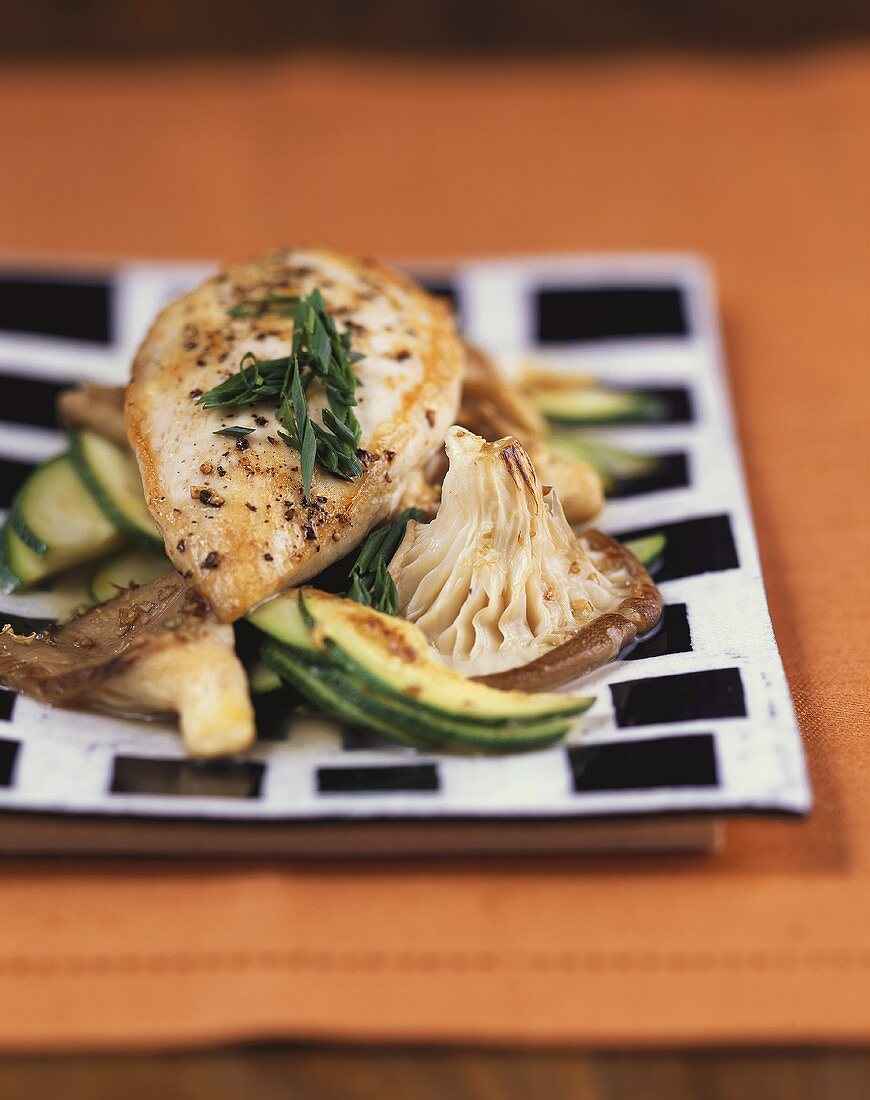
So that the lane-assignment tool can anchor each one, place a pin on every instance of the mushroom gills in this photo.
(499, 579)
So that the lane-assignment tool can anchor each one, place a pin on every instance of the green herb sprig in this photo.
(280, 304)
(236, 431)
(329, 357)
(256, 380)
(370, 583)
(319, 351)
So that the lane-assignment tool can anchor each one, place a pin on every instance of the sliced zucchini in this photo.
(343, 694)
(67, 595)
(262, 679)
(648, 549)
(126, 568)
(112, 478)
(612, 463)
(56, 601)
(282, 619)
(391, 656)
(332, 692)
(57, 513)
(18, 563)
(596, 405)
(37, 497)
(26, 535)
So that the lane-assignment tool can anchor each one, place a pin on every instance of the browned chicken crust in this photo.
(233, 514)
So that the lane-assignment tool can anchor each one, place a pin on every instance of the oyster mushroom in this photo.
(96, 407)
(503, 588)
(493, 407)
(152, 649)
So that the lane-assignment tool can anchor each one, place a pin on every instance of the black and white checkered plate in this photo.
(698, 717)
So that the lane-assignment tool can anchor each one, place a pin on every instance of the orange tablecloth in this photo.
(763, 166)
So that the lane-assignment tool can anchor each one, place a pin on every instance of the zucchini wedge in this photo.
(126, 568)
(649, 549)
(282, 619)
(112, 478)
(596, 405)
(262, 680)
(354, 700)
(391, 657)
(54, 602)
(36, 502)
(612, 463)
(54, 525)
(19, 565)
(332, 692)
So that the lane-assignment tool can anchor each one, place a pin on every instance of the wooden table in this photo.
(326, 1073)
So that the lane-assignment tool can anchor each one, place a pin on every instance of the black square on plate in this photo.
(8, 756)
(25, 400)
(7, 699)
(671, 472)
(616, 312)
(657, 405)
(673, 404)
(675, 761)
(187, 778)
(78, 309)
(378, 779)
(357, 739)
(694, 546)
(671, 636)
(273, 714)
(683, 697)
(442, 288)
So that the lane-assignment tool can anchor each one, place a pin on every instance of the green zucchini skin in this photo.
(597, 405)
(612, 463)
(306, 629)
(112, 478)
(420, 709)
(27, 495)
(54, 525)
(10, 580)
(354, 700)
(649, 549)
(30, 539)
(370, 664)
(138, 566)
(328, 689)
(263, 680)
(292, 620)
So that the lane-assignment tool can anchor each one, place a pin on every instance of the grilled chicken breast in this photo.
(233, 513)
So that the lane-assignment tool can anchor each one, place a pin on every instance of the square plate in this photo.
(696, 718)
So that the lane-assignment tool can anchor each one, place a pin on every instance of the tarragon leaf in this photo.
(318, 351)
(370, 581)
